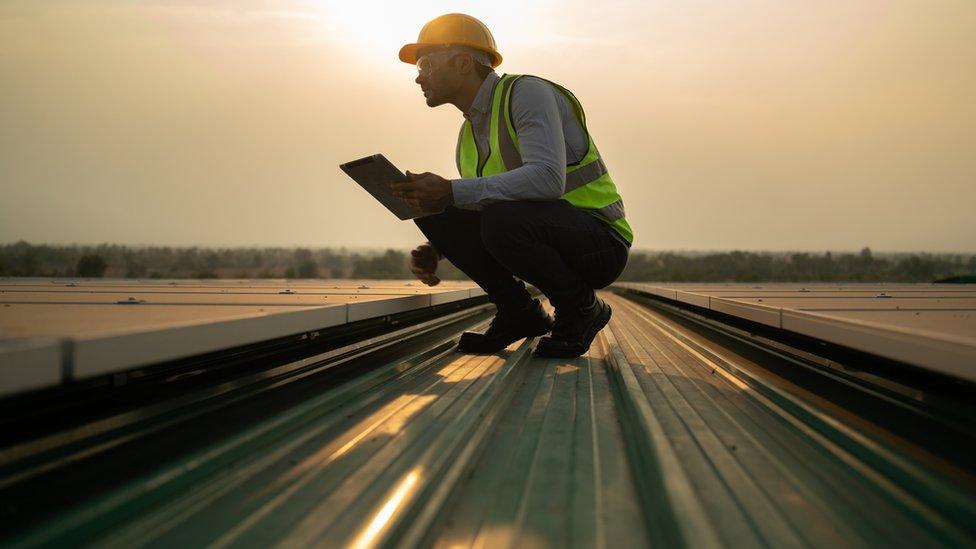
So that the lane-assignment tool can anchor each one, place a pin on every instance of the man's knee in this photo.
(504, 224)
(448, 224)
(431, 222)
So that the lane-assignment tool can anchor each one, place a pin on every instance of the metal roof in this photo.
(665, 433)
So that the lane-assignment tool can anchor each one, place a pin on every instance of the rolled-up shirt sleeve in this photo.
(542, 176)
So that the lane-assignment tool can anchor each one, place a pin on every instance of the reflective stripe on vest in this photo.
(588, 183)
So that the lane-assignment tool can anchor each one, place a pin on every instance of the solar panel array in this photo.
(96, 327)
(928, 325)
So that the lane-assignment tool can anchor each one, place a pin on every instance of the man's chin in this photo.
(434, 101)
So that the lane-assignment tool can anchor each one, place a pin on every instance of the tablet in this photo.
(375, 173)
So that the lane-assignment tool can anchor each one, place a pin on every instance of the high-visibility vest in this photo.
(588, 184)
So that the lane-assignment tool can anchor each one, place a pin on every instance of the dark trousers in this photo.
(561, 250)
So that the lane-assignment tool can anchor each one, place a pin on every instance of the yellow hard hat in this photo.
(453, 29)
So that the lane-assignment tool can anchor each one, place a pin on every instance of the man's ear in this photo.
(464, 63)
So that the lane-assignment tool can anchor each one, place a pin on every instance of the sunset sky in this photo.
(760, 125)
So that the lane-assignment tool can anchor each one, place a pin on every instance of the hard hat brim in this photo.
(408, 53)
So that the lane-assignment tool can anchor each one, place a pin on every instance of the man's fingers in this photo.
(428, 278)
(409, 197)
(404, 186)
(416, 176)
(404, 191)
(421, 270)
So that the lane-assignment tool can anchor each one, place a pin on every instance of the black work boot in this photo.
(574, 330)
(508, 326)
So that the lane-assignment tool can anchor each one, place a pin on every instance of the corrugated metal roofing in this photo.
(657, 436)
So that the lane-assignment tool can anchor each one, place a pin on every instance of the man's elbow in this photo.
(556, 182)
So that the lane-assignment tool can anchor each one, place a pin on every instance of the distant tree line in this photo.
(116, 261)
(739, 266)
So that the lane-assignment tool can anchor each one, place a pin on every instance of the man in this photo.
(534, 201)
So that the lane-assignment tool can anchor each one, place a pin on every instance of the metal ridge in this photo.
(673, 513)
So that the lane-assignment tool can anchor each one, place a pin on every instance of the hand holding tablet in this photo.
(375, 173)
(427, 191)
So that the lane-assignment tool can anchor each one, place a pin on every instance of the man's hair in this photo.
(482, 60)
(483, 70)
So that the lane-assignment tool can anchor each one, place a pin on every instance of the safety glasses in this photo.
(429, 63)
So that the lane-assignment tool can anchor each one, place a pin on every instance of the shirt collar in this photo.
(482, 100)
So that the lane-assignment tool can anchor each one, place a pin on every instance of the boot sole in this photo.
(540, 332)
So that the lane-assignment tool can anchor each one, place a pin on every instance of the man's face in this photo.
(437, 76)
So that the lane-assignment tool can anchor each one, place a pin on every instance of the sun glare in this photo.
(374, 31)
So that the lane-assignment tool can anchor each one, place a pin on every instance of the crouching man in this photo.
(535, 201)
